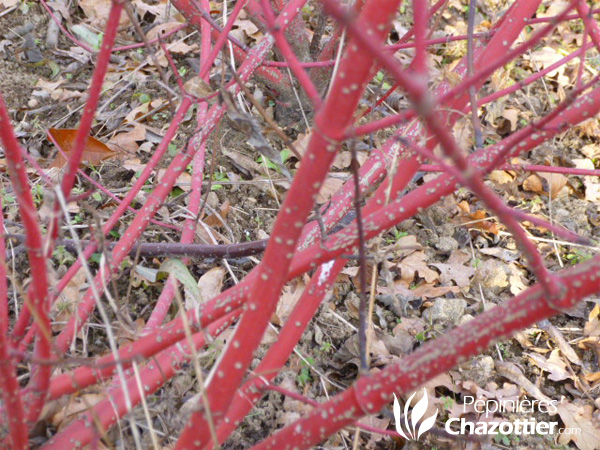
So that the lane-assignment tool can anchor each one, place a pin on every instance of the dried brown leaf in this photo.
(127, 141)
(579, 417)
(211, 283)
(329, 187)
(416, 264)
(455, 270)
(214, 221)
(557, 369)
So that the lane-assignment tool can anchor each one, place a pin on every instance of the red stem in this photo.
(89, 110)
(330, 124)
(107, 412)
(247, 396)
(116, 216)
(276, 28)
(37, 293)
(410, 87)
(370, 394)
(17, 427)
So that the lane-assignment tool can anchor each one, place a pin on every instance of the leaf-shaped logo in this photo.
(409, 431)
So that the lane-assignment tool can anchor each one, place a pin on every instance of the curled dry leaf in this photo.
(143, 109)
(211, 283)
(198, 87)
(591, 150)
(291, 294)
(512, 115)
(416, 263)
(330, 186)
(501, 177)
(162, 29)
(554, 365)
(97, 12)
(94, 152)
(579, 417)
(592, 326)
(184, 180)
(52, 88)
(128, 141)
(214, 221)
(478, 219)
(182, 48)
(546, 183)
(545, 57)
(249, 29)
(8, 3)
(455, 270)
(68, 301)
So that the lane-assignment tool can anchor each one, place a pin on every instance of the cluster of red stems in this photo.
(142, 367)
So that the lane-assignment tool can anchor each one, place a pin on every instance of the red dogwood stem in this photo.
(331, 123)
(372, 393)
(37, 293)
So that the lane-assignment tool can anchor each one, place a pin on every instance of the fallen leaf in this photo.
(184, 180)
(591, 150)
(249, 28)
(428, 290)
(501, 177)
(329, 187)
(162, 29)
(592, 191)
(134, 164)
(143, 109)
(158, 9)
(66, 304)
(500, 253)
(98, 10)
(214, 221)
(183, 48)
(553, 183)
(592, 326)
(342, 160)
(546, 183)
(177, 268)
(544, 57)
(479, 217)
(198, 87)
(512, 115)
(128, 141)
(52, 88)
(554, 365)
(413, 264)
(455, 270)
(211, 283)
(533, 183)
(74, 408)
(301, 143)
(406, 245)
(579, 417)
(290, 296)
(8, 3)
(94, 152)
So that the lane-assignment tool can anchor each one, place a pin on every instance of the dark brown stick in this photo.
(171, 249)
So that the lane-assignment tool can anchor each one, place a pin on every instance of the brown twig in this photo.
(362, 265)
(148, 249)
